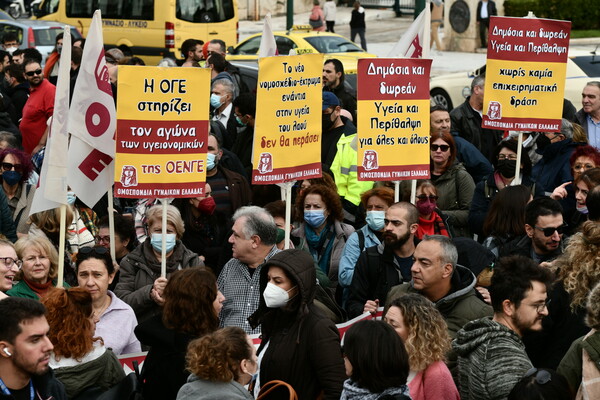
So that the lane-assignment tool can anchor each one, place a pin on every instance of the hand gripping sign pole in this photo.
(111, 226)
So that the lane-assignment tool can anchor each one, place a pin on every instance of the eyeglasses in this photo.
(6, 166)
(32, 73)
(425, 197)
(542, 376)
(511, 157)
(9, 262)
(549, 231)
(102, 239)
(541, 306)
(443, 147)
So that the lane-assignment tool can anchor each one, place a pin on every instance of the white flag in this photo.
(52, 185)
(92, 122)
(415, 41)
(268, 46)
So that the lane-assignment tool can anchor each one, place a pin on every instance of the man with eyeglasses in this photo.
(589, 115)
(38, 108)
(492, 357)
(544, 228)
(381, 267)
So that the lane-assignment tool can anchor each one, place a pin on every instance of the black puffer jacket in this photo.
(303, 344)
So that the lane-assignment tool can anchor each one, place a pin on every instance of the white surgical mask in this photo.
(275, 297)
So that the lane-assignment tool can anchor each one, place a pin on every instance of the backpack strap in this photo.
(361, 239)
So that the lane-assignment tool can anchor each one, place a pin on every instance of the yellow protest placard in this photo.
(287, 136)
(162, 132)
(393, 128)
(525, 74)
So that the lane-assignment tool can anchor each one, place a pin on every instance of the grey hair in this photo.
(227, 85)
(9, 138)
(479, 80)
(449, 253)
(593, 83)
(258, 222)
(167, 62)
(566, 128)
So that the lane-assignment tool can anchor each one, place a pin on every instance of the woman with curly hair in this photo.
(191, 310)
(79, 360)
(322, 232)
(221, 363)
(425, 335)
(578, 271)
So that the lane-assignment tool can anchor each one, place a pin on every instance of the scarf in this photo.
(433, 226)
(500, 181)
(353, 391)
(173, 261)
(316, 243)
(38, 288)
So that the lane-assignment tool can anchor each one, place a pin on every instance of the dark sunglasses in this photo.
(425, 197)
(541, 375)
(6, 166)
(443, 147)
(550, 230)
(98, 250)
(32, 73)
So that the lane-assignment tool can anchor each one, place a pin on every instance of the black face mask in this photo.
(326, 122)
(542, 141)
(507, 168)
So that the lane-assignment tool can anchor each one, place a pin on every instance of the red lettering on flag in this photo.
(418, 52)
(94, 164)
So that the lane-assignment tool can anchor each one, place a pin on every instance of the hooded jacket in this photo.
(302, 345)
(459, 306)
(491, 361)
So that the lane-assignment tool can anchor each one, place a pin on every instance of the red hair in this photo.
(585, 151)
(446, 137)
(69, 313)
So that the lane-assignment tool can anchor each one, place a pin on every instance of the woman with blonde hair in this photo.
(79, 360)
(39, 269)
(578, 271)
(425, 336)
(221, 363)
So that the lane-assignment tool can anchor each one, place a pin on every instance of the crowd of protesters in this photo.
(488, 282)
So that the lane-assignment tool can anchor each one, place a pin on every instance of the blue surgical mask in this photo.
(156, 241)
(215, 100)
(582, 209)
(314, 218)
(375, 220)
(239, 121)
(11, 177)
(211, 161)
(71, 198)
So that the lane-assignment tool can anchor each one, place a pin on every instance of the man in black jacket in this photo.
(25, 352)
(381, 267)
(333, 81)
(466, 120)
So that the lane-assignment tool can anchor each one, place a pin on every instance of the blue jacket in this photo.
(352, 252)
(554, 168)
(475, 163)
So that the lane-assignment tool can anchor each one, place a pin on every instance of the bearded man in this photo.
(381, 267)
